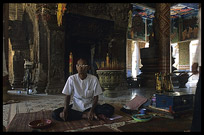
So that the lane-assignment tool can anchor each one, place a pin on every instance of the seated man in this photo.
(85, 89)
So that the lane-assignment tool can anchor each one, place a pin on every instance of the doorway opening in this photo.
(86, 37)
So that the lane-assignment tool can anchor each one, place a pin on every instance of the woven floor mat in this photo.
(99, 129)
(20, 122)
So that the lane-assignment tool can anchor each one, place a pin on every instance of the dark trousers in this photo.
(196, 123)
(72, 114)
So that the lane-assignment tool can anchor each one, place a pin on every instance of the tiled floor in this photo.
(37, 102)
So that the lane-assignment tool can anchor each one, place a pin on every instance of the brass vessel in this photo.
(109, 80)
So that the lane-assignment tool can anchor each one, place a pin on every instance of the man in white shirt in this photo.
(84, 89)
(196, 68)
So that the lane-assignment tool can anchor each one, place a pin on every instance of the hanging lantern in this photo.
(61, 7)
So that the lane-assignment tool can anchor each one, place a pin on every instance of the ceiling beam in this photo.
(151, 6)
(146, 5)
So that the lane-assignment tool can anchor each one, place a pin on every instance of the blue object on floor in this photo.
(142, 117)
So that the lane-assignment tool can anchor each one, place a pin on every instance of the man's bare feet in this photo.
(103, 117)
(61, 115)
(96, 117)
(85, 115)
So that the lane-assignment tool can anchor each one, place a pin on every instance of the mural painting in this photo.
(184, 22)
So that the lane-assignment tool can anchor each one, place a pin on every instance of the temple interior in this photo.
(128, 47)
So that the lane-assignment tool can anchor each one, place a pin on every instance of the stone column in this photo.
(163, 15)
(18, 69)
(5, 52)
(5, 30)
(43, 57)
(19, 45)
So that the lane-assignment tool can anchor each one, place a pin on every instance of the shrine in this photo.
(131, 48)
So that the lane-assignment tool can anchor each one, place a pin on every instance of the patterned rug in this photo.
(58, 126)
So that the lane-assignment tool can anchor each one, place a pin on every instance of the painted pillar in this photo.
(163, 15)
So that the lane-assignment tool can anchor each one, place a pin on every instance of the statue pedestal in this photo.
(149, 60)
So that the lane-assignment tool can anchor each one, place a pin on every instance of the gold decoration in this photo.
(158, 82)
(60, 12)
(130, 19)
(163, 82)
(110, 64)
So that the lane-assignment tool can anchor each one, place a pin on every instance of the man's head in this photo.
(82, 66)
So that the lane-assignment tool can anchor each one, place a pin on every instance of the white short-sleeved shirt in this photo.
(83, 91)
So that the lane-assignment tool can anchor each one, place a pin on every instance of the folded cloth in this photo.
(136, 102)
